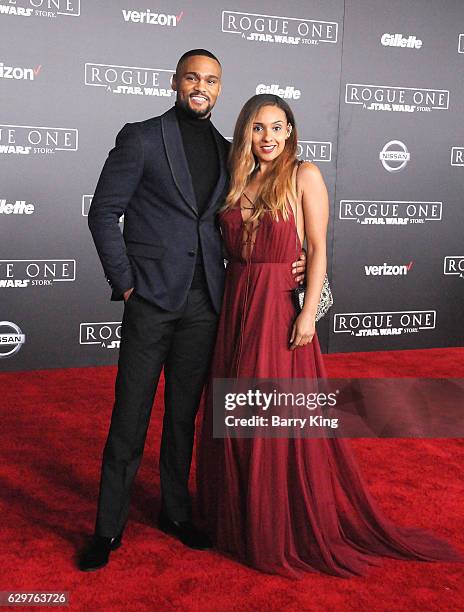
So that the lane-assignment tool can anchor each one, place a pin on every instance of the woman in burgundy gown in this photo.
(284, 505)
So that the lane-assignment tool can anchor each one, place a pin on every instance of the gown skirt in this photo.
(286, 505)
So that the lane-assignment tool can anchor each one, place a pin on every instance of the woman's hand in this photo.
(303, 330)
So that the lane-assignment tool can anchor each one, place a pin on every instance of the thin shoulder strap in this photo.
(297, 165)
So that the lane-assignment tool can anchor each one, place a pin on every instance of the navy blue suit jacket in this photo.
(146, 178)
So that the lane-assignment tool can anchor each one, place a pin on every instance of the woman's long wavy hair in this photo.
(274, 192)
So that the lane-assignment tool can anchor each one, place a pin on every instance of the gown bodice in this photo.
(265, 241)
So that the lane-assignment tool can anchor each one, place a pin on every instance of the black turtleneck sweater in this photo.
(203, 161)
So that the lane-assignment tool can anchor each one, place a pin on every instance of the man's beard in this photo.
(195, 114)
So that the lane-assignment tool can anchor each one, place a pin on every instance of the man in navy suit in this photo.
(168, 176)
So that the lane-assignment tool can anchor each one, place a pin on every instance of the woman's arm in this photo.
(313, 196)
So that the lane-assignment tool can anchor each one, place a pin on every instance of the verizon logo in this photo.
(152, 18)
(17, 73)
(387, 270)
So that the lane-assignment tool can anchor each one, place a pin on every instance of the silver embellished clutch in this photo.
(325, 302)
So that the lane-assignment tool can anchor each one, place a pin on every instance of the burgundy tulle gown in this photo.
(286, 506)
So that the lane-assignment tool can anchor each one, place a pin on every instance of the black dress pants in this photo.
(182, 342)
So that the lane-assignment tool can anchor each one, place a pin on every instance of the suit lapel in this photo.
(222, 171)
(176, 157)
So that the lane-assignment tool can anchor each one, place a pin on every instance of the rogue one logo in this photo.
(280, 30)
(396, 99)
(40, 8)
(388, 323)
(454, 265)
(394, 156)
(85, 207)
(457, 156)
(390, 212)
(312, 150)
(27, 139)
(11, 339)
(107, 335)
(130, 79)
(16, 273)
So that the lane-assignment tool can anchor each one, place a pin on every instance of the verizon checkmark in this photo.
(37, 70)
(179, 16)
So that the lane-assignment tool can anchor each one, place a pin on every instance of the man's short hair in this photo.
(193, 52)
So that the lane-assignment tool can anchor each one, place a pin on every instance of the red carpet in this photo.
(54, 425)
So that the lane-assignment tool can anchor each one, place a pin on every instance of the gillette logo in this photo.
(289, 91)
(398, 40)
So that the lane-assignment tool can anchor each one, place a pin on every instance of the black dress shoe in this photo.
(185, 531)
(98, 553)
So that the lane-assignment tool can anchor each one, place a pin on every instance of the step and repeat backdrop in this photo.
(378, 94)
